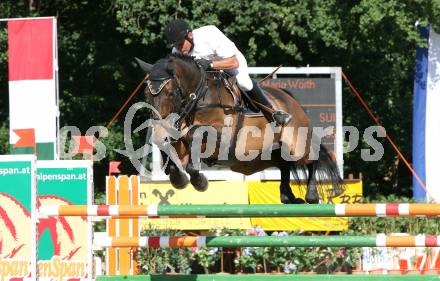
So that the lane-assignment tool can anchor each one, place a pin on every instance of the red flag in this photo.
(85, 144)
(30, 49)
(113, 167)
(26, 138)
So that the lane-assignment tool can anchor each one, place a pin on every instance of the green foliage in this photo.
(4, 138)
(307, 258)
(206, 257)
(247, 260)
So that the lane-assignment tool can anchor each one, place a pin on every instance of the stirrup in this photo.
(281, 118)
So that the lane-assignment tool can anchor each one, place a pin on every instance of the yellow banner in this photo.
(219, 192)
(269, 193)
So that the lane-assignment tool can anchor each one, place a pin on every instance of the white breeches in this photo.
(242, 74)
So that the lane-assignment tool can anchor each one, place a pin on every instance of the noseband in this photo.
(156, 89)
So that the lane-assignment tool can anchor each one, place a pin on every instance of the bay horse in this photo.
(201, 102)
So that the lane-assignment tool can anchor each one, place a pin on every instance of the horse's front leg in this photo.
(198, 179)
(178, 178)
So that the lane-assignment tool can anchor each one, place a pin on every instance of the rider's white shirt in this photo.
(210, 43)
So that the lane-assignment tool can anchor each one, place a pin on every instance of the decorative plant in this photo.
(290, 268)
(206, 257)
(247, 260)
(282, 257)
(306, 258)
(262, 255)
(355, 255)
(342, 260)
(325, 260)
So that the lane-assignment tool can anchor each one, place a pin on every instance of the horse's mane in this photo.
(183, 57)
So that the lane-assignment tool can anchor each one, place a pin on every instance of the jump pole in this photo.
(380, 240)
(242, 210)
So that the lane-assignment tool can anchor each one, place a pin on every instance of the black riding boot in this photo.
(280, 117)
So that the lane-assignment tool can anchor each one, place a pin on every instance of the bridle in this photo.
(194, 97)
(187, 105)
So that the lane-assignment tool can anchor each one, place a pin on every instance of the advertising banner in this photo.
(64, 243)
(269, 193)
(17, 217)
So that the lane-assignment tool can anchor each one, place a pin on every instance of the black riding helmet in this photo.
(176, 31)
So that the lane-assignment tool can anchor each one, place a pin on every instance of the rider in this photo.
(214, 51)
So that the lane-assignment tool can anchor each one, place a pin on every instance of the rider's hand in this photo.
(205, 64)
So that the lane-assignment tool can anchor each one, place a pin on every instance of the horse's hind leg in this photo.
(286, 194)
(312, 196)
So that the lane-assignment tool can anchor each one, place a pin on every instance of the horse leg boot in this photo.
(280, 117)
(286, 194)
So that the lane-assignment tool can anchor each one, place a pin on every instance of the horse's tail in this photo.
(326, 171)
(323, 177)
(326, 179)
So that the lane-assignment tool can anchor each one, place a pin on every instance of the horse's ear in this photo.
(146, 67)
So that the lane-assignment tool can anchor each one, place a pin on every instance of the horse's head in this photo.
(171, 88)
(172, 84)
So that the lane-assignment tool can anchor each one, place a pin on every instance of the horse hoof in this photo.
(298, 201)
(200, 182)
(179, 180)
(286, 200)
(312, 199)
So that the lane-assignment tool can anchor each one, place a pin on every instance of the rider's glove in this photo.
(205, 64)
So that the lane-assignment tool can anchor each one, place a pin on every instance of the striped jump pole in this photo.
(380, 240)
(257, 210)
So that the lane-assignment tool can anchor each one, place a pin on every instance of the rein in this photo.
(201, 90)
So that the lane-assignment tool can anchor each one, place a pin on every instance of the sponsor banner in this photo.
(219, 192)
(64, 245)
(269, 193)
(17, 217)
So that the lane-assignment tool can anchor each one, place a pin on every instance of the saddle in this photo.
(242, 101)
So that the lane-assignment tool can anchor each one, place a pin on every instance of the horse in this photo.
(202, 107)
